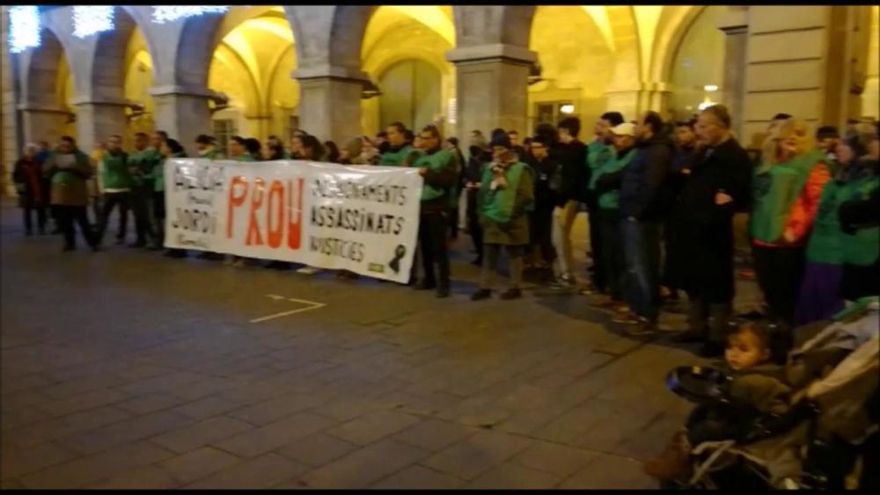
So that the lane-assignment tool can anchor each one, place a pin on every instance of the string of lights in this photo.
(24, 28)
(89, 20)
(169, 13)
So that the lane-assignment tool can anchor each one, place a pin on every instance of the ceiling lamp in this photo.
(168, 13)
(24, 28)
(566, 108)
(90, 20)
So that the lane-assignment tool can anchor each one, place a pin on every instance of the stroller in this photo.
(829, 429)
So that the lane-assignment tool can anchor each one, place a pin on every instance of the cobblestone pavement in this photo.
(124, 369)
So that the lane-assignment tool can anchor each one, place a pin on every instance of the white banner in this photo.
(363, 219)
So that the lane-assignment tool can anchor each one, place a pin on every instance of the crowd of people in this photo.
(660, 199)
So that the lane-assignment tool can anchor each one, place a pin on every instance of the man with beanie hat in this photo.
(506, 192)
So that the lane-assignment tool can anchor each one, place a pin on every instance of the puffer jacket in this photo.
(645, 190)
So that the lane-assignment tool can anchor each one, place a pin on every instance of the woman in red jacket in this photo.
(28, 178)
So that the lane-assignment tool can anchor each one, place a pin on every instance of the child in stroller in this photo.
(756, 387)
(816, 429)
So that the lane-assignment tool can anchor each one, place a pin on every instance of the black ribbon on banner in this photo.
(399, 253)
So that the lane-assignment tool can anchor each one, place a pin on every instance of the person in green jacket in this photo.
(115, 186)
(439, 169)
(141, 162)
(400, 153)
(206, 148)
(605, 183)
(170, 149)
(506, 193)
(68, 169)
(237, 150)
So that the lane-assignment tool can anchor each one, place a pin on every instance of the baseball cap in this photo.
(624, 129)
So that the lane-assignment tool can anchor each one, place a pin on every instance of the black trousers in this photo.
(541, 228)
(432, 239)
(67, 216)
(779, 271)
(28, 218)
(140, 205)
(111, 200)
(473, 221)
(158, 217)
(599, 277)
(608, 222)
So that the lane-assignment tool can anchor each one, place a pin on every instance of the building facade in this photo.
(341, 71)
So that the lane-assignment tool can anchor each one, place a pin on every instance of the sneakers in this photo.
(481, 294)
(442, 293)
(239, 263)
(308, 270)
(644, 328)
(674, 463)
(425, 285)
(511, 294)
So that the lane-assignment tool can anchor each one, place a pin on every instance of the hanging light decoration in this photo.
(24, 28)
(168, 13)
(89, 20)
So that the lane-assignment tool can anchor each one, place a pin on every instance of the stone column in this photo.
(637, 97)
(98, 120)
(491, 88)
(183, 113)
(330, 102)
(11, 136)
(734, 24)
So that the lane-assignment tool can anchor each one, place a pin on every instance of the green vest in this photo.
(245, 157)
(498, 205)
(144, 160)
(114, 171)
(436, 162)
(597, 154)
(214, 154)
(610, 200)
(825, 239)
(65, 177)
(397, 158)
(861, 248)
(775, 188)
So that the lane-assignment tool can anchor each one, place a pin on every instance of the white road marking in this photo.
(310, 306)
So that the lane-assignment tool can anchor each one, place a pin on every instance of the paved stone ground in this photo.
(123, 369)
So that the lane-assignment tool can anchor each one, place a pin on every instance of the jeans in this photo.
(600, 269)
(641, 248)
(111, 200)
(608, 222)
(432, 238)
(67, 216)
(157, 217)
(563, 220)
(541, 228)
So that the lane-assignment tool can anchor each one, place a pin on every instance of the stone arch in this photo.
(107, 75)
(674, 24)
(41, 71)
(347, 34)
(199, 37)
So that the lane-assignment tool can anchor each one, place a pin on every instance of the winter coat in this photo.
(114, 171)
(28, 178)
(859, 218)
(515, 230)
(644, 192)
(545, 196)
(68, 181)
(141, 163)
(701, 257)
(439, 179)
(572, 158)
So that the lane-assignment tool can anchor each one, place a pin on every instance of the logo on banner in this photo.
(274, 213)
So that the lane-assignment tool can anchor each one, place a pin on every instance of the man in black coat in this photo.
(644, 202)
(572, 156)
(716, 188)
